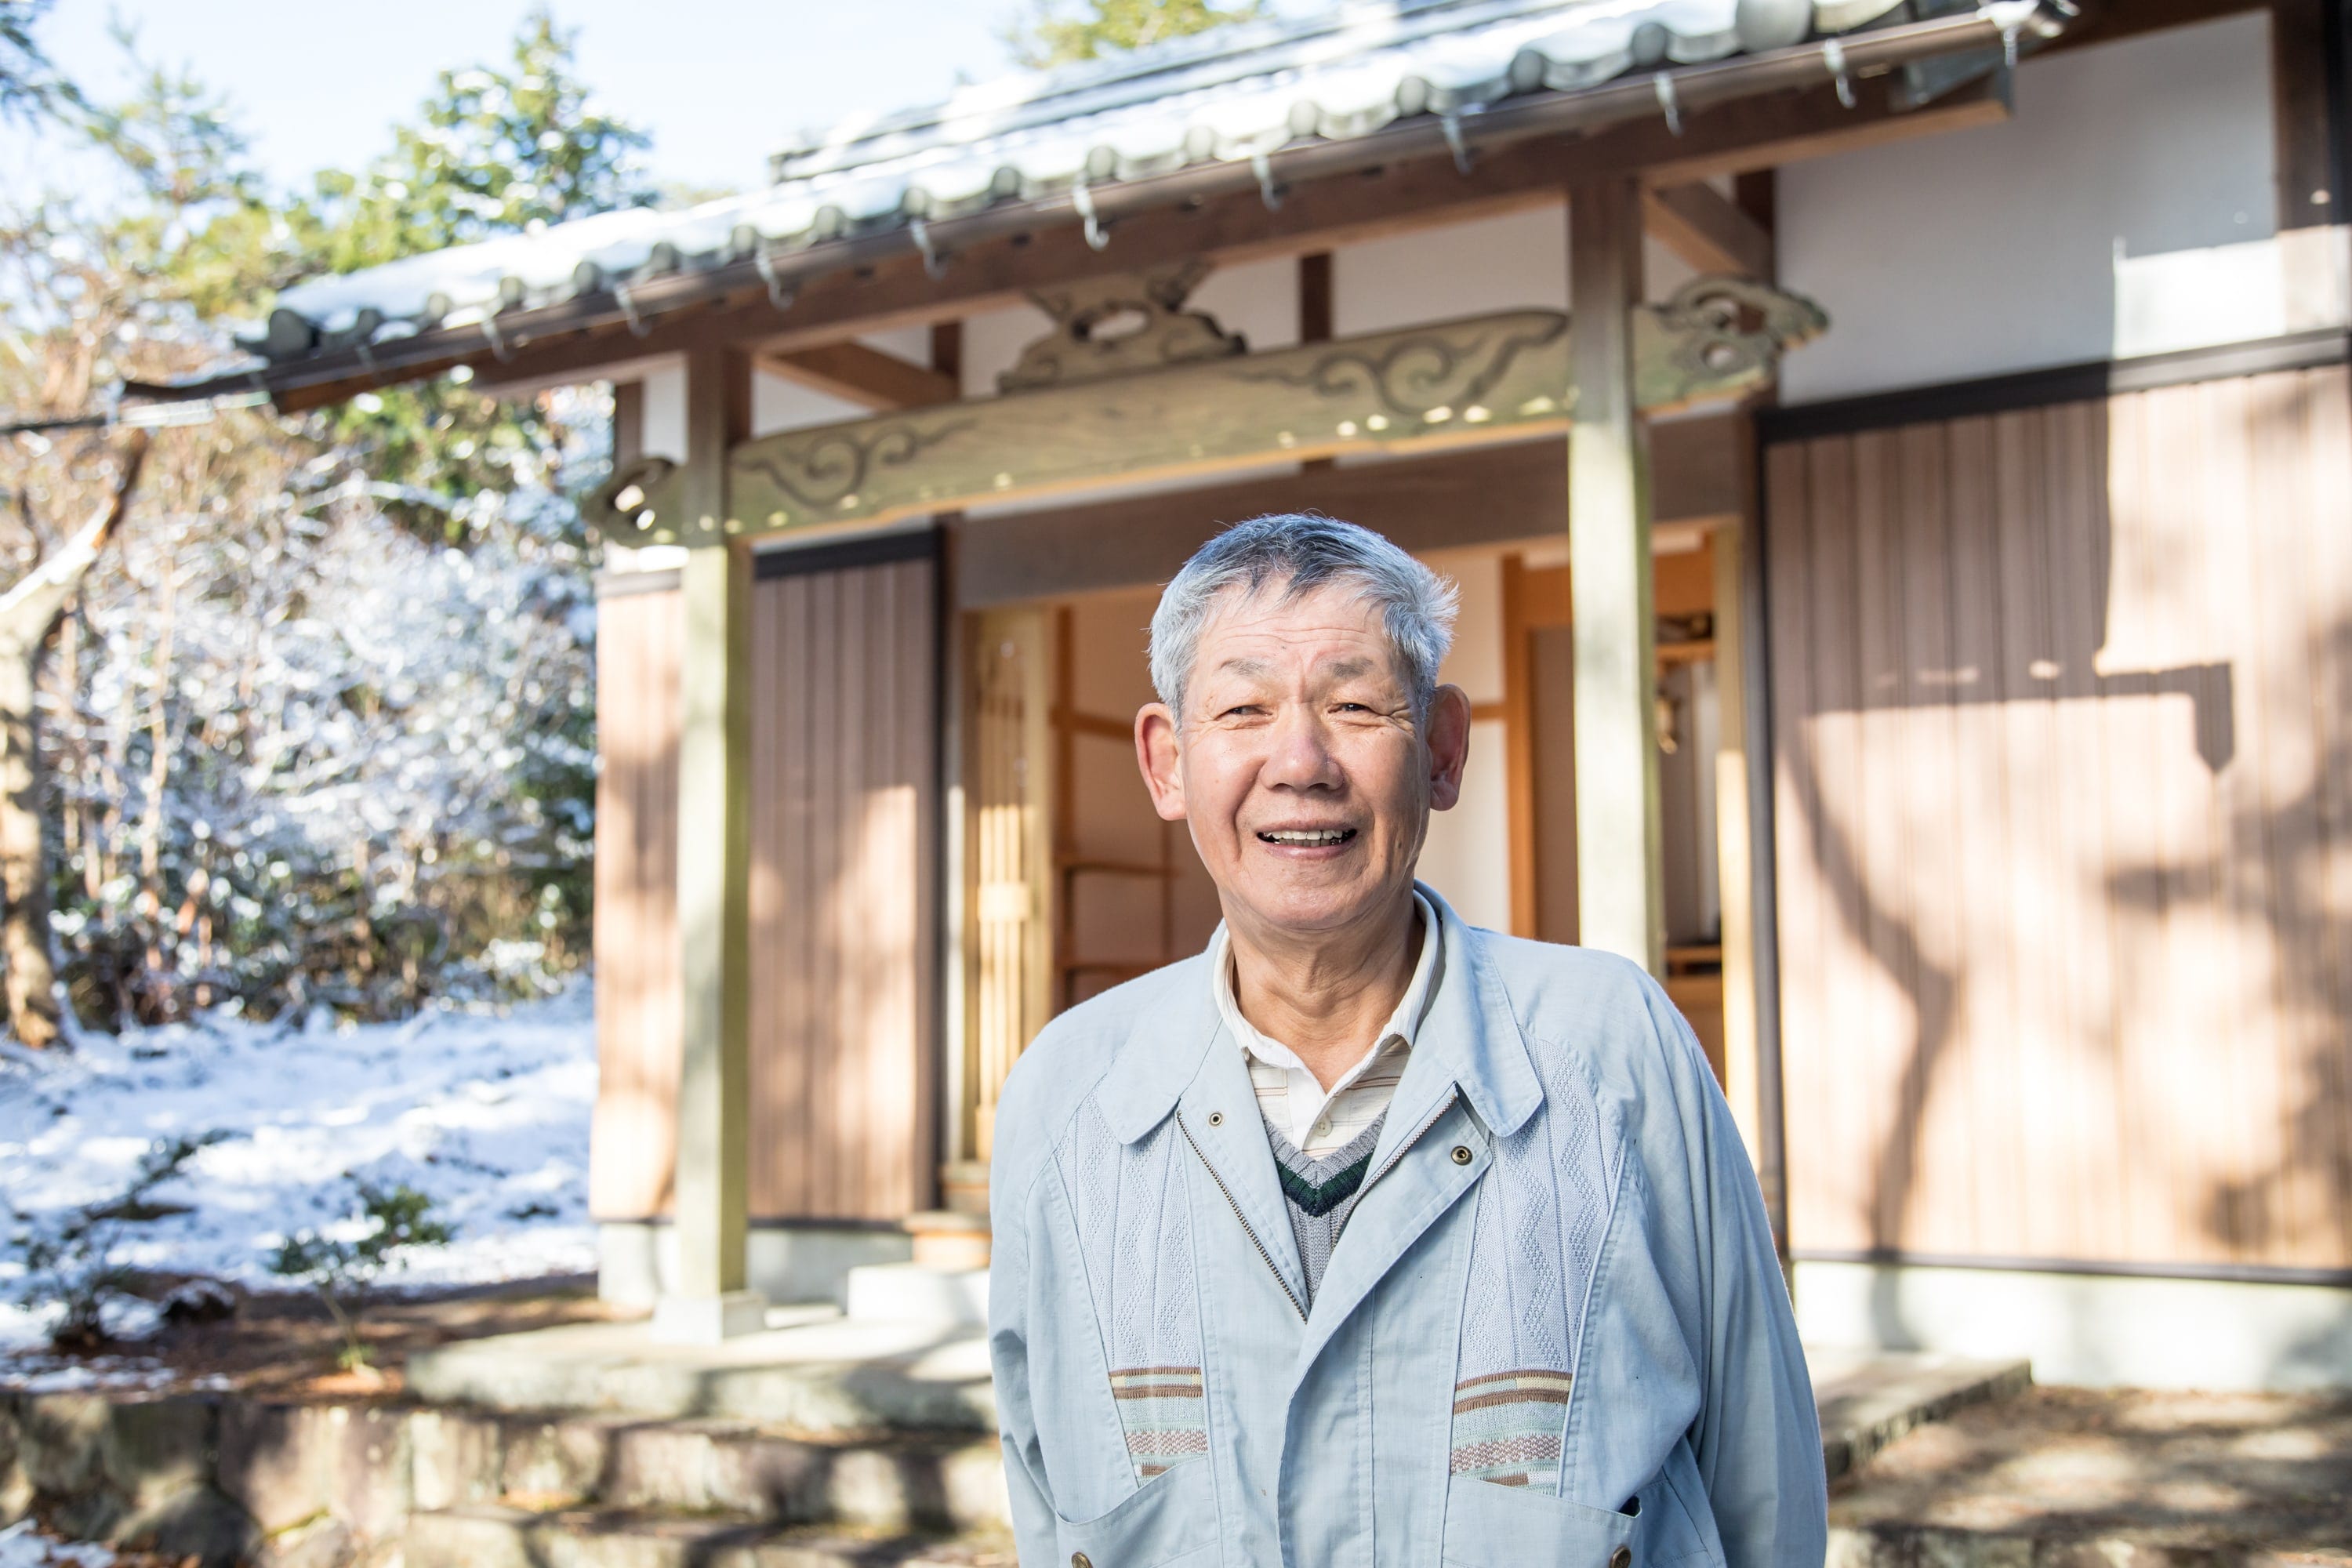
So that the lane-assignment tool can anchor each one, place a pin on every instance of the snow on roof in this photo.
(1231, 96)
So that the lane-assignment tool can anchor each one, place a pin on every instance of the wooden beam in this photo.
(1315, 297)
(1707, 230)
(2302, 129)
(1620, 878)
(712, 1300)
(1370, 202)
(947, 349)
(628, 421)
(1491, 495)
(865, 376)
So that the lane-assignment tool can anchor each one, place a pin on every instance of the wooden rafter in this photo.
(1708, 231)
(865, 376)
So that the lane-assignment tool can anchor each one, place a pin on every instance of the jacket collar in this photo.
(1469, 1039)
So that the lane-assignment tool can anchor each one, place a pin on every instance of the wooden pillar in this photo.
(1619, 874)
(1735, 872)
(710, 1300)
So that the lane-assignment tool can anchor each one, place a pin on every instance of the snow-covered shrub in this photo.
(301, 755)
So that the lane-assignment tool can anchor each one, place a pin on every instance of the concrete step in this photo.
(488, 1536)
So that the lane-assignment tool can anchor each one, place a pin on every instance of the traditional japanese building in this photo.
(1897, 462)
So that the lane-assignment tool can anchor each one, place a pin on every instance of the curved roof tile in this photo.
(1227, 96)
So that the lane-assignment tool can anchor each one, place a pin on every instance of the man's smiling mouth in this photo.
(1307, 838)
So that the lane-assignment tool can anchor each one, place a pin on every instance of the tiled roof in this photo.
(1194, 117)
(1226, 97)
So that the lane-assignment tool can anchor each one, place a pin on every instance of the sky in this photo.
(718, 83)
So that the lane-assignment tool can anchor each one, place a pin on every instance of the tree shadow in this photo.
(1921, 573)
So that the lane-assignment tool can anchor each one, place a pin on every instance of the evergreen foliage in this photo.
(30, 87)
(1052, 33)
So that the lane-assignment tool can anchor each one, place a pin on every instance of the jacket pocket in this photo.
(1169, 1519)
(1492, 1526)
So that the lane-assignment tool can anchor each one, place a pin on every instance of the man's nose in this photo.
(1302, 757)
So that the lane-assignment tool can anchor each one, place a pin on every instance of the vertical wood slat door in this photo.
(2063, 732)
(844, 773)
(632, 1142)
(1012, 853)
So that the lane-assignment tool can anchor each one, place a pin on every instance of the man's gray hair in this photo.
(1302, 552)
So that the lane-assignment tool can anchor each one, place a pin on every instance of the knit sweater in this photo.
(1321, 1194)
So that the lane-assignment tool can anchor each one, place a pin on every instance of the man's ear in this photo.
(1155, 753)
(1449, 745)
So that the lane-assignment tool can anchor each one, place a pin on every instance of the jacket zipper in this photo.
(1406, 1147)
(1264, 1256)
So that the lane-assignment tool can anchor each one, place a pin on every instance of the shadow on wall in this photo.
(2067, 966)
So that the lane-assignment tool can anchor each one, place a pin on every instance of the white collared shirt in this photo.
(1288, 1094)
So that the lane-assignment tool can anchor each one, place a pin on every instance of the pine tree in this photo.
(492, 151)
(1046, 36)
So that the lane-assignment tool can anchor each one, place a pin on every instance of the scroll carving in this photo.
(1086, 344)
(1717, 337)
(1499, 378)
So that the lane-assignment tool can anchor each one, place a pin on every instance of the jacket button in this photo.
(1078, 1560)
(1216, 1118)
(1621, 1558)
(1462, 1157)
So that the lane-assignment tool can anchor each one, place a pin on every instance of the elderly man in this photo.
(1366, 1237)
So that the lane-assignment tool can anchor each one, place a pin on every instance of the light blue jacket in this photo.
(1554, 1327)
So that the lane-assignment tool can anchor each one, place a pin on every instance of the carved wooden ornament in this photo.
(1490, 378)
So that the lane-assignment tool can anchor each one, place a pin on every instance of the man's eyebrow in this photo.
(1245, 666)
(1349, 669)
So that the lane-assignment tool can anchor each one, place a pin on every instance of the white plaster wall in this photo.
(2105, 1331)
(2126, 208)
(780, 405)
(1516, 262)
(664, 413)
(1258, 300)
(992, 339)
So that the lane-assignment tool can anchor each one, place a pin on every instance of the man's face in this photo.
(1298, 763)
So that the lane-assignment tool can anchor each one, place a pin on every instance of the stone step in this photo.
(813, 1371)
(890, 1482)
(1912, 1545)
(1867, 1399)
(489, 1536)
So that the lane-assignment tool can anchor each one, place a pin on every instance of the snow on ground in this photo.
(21, 1546)
(485, 1112)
